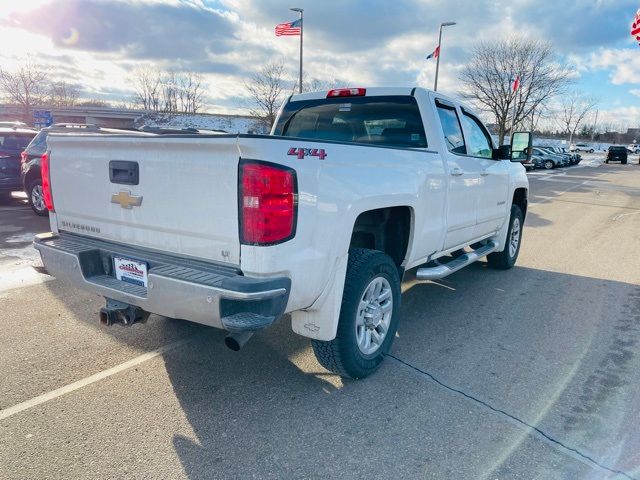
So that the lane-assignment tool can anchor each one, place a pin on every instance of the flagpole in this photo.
(443, 24)
(301, 12)
(435, 82)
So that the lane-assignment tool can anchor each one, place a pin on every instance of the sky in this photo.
(98, 44)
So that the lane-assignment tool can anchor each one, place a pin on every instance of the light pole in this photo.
(443, 24)
(301, 12)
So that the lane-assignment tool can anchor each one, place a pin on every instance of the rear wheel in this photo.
(548, 164)
(369, 316)
(36, 198)
(507, 258)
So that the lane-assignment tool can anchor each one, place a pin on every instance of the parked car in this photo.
(616, 153)
(581, 147)
(565, 158)
(13, 140)
(31, 181)
(634, 148)
(549, 160)
(13, 124)
(320, 219)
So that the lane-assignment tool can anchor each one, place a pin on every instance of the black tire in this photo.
(342, 355)
(5, 197)
(549, 165)
(624, 162)
(504, 260)
(591, 150)
(38, 208)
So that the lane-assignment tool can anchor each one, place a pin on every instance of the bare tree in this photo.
(25, 86)
(266, 89)
(63, 94)
(147, 83)
(315, 85)
(191, 92)
(493, 66)
(575, 108)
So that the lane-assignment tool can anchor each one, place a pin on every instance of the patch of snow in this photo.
(203, 121)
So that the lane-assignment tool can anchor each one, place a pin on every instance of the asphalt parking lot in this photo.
(529, 373)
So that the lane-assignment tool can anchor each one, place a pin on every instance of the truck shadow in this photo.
(271, 411)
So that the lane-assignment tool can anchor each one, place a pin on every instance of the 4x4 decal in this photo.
(303, 152)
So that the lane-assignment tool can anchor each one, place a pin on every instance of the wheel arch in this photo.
(387, 229)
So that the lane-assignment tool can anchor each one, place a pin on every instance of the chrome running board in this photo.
(441, 271)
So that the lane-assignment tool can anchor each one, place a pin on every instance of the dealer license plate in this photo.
(131, 271)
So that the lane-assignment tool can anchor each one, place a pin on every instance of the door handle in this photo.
(484, 172)
(456, 172)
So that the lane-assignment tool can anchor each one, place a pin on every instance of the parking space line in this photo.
(45, 397)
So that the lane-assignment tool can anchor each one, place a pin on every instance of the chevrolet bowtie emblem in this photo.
(126, 200)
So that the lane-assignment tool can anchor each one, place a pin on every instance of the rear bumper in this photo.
(214, 295)
(10, 184)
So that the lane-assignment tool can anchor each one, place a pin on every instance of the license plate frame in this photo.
(130, 270)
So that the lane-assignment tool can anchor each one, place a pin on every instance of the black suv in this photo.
(31, 178)
(13, 140)
(616, 153)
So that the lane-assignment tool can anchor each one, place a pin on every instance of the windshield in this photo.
(392, 121)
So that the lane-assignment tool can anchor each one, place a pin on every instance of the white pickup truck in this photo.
(319, 219)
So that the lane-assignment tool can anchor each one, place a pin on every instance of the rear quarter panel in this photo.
(332, 193)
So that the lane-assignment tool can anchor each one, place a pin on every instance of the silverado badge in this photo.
(126, 200)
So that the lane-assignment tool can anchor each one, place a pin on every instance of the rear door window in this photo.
(451, 129)
(392, 121)
(15, 141)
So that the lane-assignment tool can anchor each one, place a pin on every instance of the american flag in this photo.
(635, 28)
(289, 28)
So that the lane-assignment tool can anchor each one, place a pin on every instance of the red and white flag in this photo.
(516, 83)
(435, 53)
(635, 27)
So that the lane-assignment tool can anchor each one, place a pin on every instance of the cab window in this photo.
(451, 129)
(478, 140)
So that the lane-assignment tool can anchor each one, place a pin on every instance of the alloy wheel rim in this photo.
(514, 239)
(374, 315)
(37, 199)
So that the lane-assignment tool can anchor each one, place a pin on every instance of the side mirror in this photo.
(502, 153)
(521, 146)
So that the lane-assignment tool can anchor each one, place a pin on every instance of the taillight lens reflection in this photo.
(46, 182)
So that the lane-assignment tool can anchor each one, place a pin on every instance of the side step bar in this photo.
(441, 271)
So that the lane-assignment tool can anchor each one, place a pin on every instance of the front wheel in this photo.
(369, 316)
(549, 164)
(506, 259)
(36, 198)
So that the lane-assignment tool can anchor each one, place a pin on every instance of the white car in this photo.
(633, 148)
(319, 219)
(581, 147)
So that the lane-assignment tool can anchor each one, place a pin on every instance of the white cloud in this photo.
(623, 63)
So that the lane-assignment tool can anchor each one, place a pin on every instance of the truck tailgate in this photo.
(185, 201)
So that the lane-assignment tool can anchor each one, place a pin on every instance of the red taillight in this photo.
(46, 182)
(23, 158)
(268, 203)
(347, 92)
